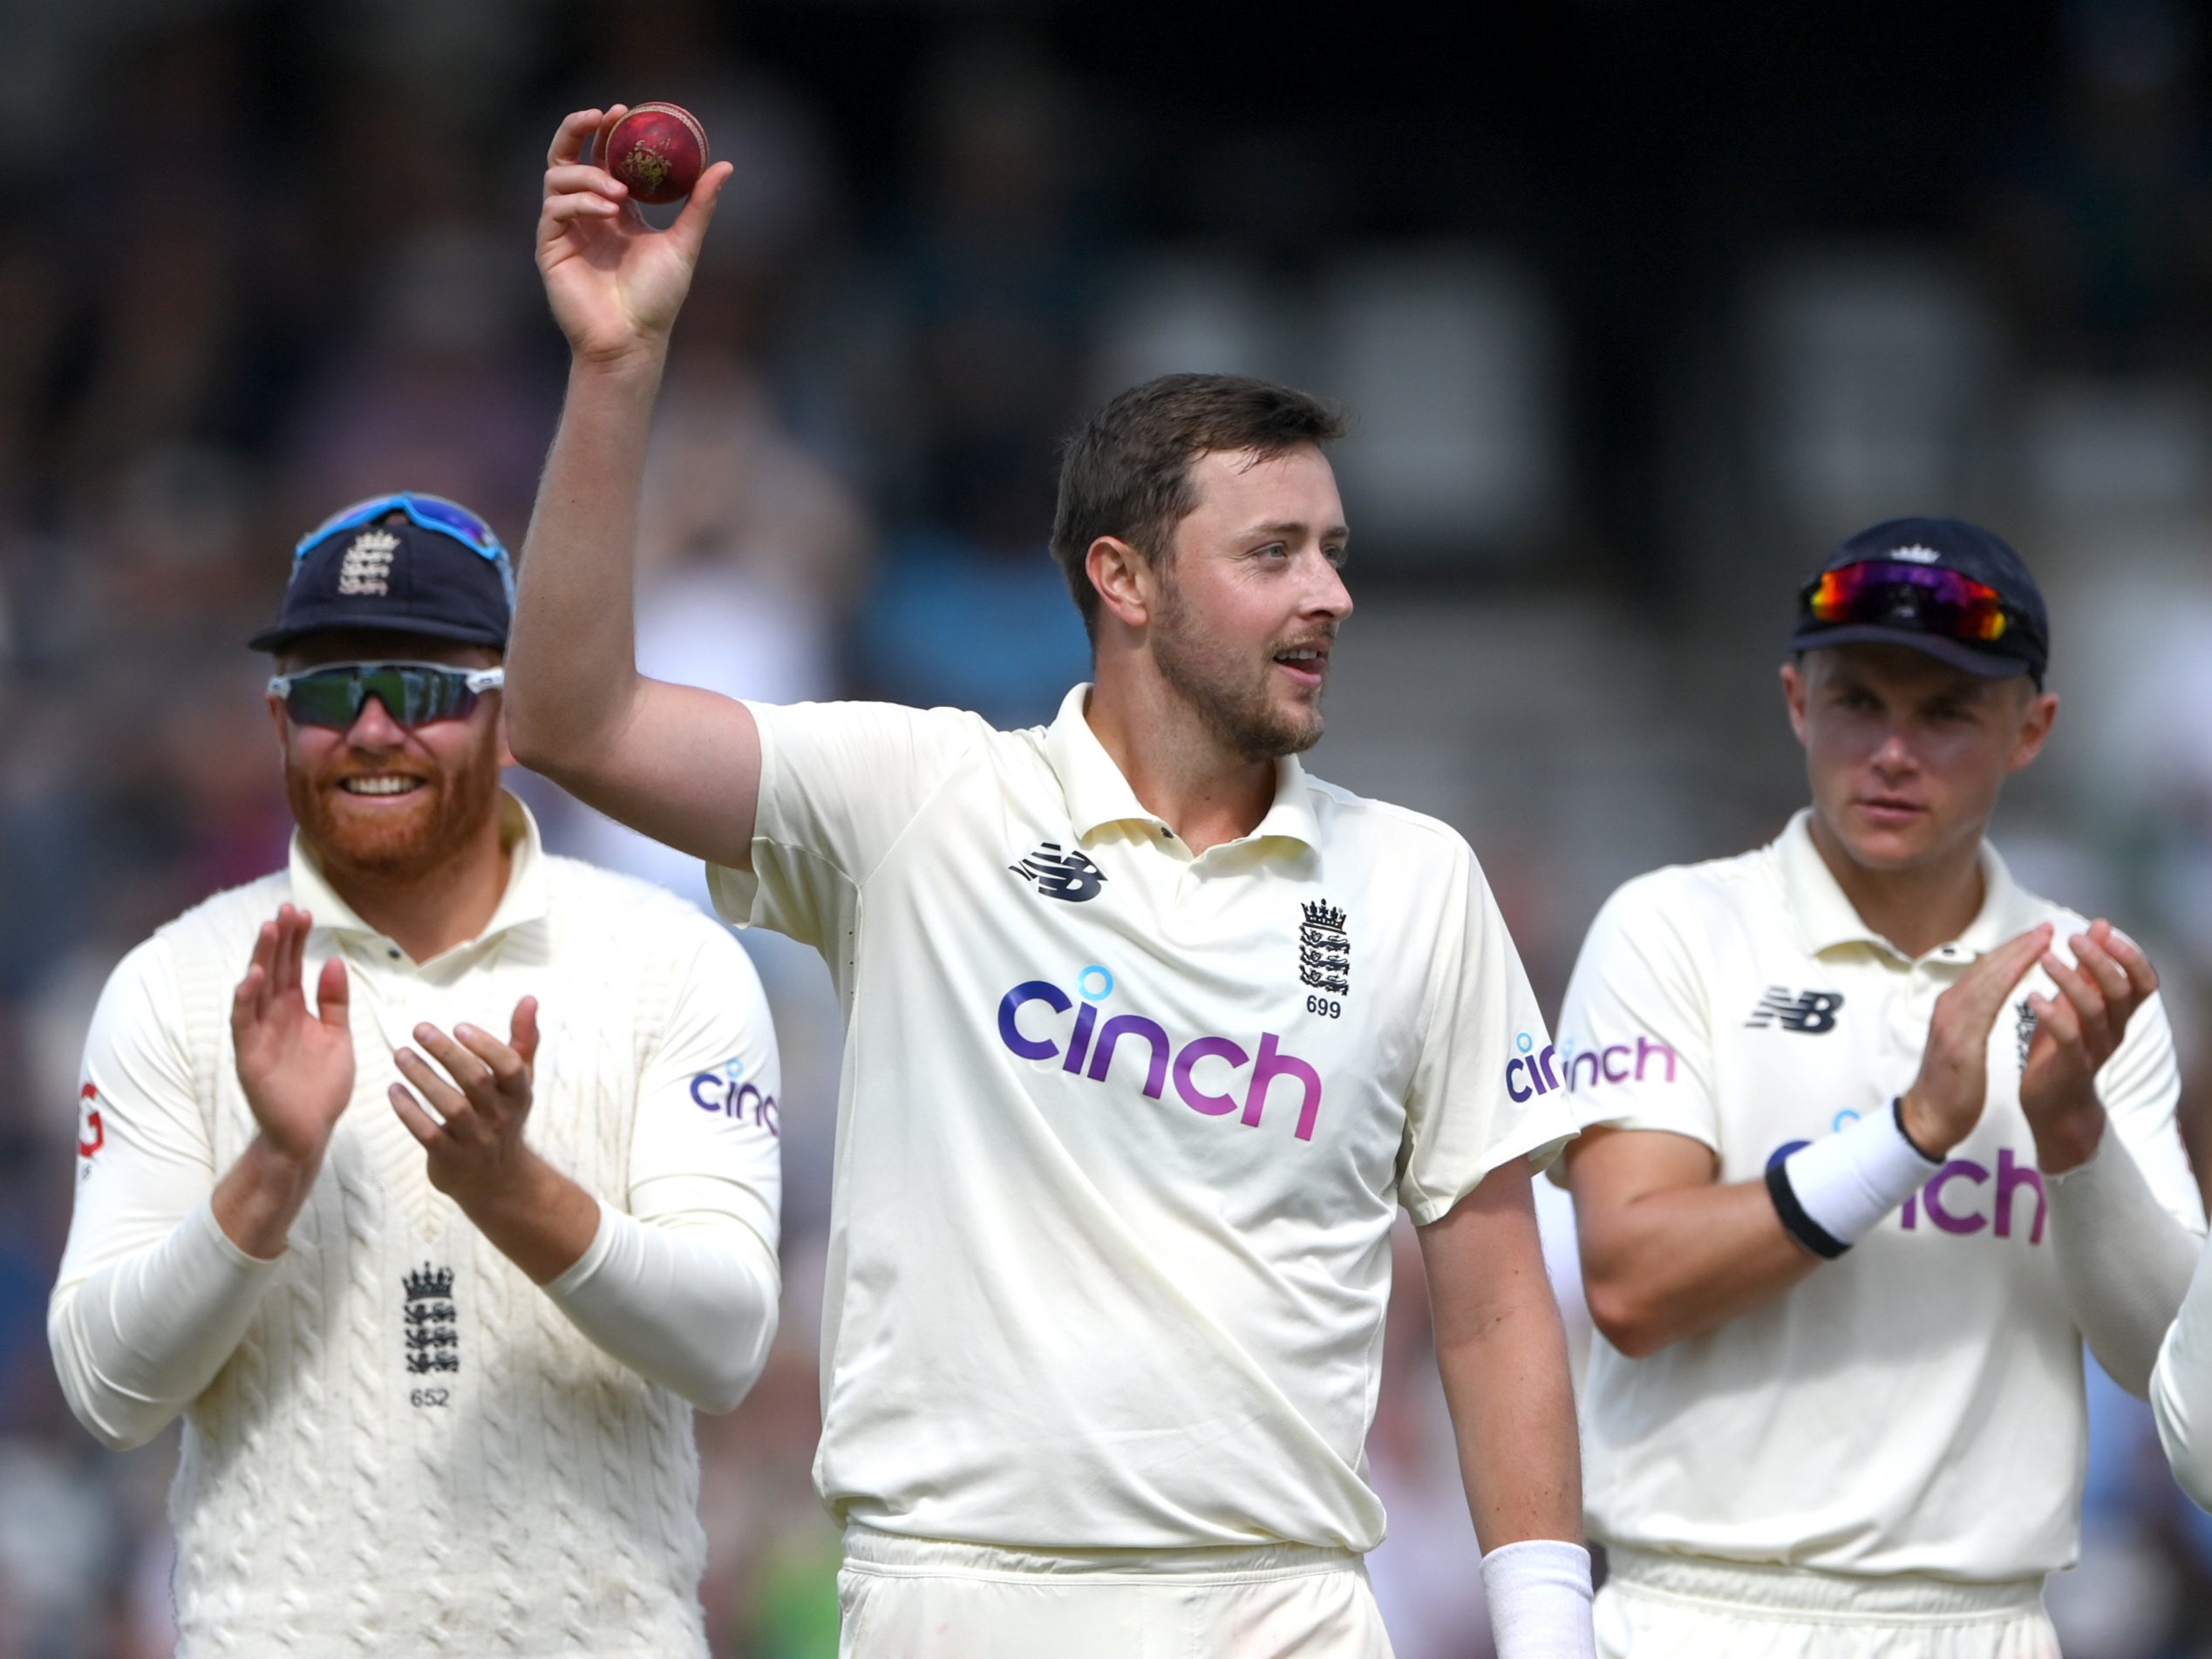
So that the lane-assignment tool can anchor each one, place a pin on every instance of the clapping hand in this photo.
(1946, 1099)
(481, 1101)
(2076, 1032)
(296, 1067)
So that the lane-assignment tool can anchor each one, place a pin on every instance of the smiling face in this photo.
(378, 801)
(1250, 597)
(1906, 755)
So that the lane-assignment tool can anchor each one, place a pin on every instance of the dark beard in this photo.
(1235, 708)
(406, 851)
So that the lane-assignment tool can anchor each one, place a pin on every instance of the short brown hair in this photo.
(1127, 473)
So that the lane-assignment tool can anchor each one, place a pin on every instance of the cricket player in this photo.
(1874, 1140)
(431, 1179)
(1149, 1035)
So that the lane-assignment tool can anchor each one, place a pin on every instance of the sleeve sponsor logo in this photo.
(1645, 1060)
(1158, 1054)
(726, 1092)
(91, 1133)
(1530, 1073)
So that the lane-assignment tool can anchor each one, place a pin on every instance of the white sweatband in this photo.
(1540, 1600)
(690, 1307)
(1829, 1193)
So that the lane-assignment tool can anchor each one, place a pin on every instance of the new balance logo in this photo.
(1059, 874)
(1811, 1012)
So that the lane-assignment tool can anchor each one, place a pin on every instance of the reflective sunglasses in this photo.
(432, 512)
(414, 694)
(1924, 598)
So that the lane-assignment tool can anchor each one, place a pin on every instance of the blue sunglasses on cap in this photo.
(433, 513)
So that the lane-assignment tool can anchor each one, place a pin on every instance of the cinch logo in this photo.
(1616, 1063)
(1088, 1039)
(1943, 1203)
(722, 1091)
(1532, 1069)
(1069, 875)
(1811, 1012)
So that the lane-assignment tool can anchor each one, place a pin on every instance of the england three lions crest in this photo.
(1325, 949)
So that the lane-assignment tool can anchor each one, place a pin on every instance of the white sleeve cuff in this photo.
(692, 1308)
(1539, 1592)
(140, 1339)
(2124, 1264)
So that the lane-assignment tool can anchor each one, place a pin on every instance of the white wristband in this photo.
(1540, 1600)
(1847, 1183)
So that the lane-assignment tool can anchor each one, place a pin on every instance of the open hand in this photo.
(2075, 1033)
(1945, 1101)
(615, 283)
(477, 1153)
(296, 1068)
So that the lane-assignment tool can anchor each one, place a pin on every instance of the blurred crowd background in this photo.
(1639, 308)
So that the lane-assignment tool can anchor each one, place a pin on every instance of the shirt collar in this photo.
(1098, 794)
(1825, 918)
(523, 901)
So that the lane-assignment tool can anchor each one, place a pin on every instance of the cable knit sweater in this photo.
(412, 1450)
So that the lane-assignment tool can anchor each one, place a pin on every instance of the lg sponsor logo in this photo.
(91, 1133)
(1961, 1213)
(1085, 1047)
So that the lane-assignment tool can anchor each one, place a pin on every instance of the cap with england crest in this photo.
(415, 564)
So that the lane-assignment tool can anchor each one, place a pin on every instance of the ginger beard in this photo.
(387, 840)
(1232, 692)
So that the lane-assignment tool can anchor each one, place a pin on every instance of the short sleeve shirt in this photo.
(1917, 1405)
(1122, 1129)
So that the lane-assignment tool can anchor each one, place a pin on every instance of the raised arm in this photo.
(679, 764)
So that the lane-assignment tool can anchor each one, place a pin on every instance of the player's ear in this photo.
(2036, 721)
(1793, 694)
(1125, 579)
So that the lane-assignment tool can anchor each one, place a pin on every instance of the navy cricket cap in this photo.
(415, 564)
(1941, 586)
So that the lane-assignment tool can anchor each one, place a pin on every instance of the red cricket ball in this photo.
(659, 150)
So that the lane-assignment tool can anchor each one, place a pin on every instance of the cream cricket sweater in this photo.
(412, 1449)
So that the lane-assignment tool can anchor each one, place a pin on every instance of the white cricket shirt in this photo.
(1915, 1406)
(411, 1446)
(1121, 1130)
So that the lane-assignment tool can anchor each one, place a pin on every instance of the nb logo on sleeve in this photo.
(1057, 874)
(1811, 1012)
